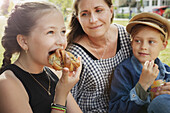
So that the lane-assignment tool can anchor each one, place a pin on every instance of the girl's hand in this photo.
(69, 79)
(165, 89)
(149, 73)
(67, 82)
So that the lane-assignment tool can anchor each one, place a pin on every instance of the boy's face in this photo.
(147, 44)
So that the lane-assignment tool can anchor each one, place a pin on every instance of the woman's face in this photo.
(94, 17)
(47, 35)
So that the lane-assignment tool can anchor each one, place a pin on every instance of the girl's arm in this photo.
(72, 106)
(63, 87)
(13, 96)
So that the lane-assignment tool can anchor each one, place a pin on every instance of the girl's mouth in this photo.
(51, 52)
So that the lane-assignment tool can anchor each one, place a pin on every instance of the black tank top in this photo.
(39, 99)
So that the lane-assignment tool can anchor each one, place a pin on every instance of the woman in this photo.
(102, 46)
(27, 86)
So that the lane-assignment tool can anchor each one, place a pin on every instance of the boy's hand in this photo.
(165, 89)
(149, 73)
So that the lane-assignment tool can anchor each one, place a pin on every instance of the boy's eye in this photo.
(138, 41)
(50, 32)
(151, 42)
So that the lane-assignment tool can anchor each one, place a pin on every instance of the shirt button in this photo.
(133, 95)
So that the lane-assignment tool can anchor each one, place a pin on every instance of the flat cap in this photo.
(150, 19)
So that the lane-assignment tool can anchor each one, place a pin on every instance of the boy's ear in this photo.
(165, 43)
(22, 41)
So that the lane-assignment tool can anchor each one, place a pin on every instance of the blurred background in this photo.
(122, 8)
(123, 11)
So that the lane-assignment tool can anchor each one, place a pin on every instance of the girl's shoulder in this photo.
(10, 84)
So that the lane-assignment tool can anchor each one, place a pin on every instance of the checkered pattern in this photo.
(92, 90)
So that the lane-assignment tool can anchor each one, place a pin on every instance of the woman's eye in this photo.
(99, 10)
(50, 32)
(84, 14)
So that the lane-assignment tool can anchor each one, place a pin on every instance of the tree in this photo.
(65, 5)
(139, 5)
(5, 7)
(167, 13)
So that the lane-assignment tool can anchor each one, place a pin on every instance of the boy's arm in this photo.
(142, 94)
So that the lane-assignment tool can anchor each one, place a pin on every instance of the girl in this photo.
(34, 30)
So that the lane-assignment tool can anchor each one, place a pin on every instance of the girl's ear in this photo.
(22, 41)
(165, 43)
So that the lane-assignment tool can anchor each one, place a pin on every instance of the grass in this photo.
(164, 55)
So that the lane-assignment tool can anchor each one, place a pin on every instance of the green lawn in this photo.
(164, 55)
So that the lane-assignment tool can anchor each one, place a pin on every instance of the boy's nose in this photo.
(144, 46)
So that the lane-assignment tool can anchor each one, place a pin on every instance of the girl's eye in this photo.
(63, 32)
(50, 32)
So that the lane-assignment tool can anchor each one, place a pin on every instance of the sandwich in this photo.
(61, 58)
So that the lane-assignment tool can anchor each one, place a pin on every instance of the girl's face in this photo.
(47, 35)
(147, 44)
(94, 17)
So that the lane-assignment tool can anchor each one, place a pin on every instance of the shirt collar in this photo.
(138, 67)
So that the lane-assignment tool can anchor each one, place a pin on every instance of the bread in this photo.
(61, 58)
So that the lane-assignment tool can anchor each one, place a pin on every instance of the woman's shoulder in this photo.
(76, 49)
(118, 26)
(121, 30)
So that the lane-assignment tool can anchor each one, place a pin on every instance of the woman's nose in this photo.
(93, 18)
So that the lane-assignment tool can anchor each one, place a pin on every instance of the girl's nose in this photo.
(62, 41)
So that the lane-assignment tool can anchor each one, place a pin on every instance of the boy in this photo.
(134, 76)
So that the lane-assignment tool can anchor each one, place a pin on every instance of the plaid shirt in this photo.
(93, 89)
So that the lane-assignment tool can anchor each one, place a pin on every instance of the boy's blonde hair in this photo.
(139, 27)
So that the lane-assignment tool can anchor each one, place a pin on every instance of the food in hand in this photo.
(154, 88)
(61, 58)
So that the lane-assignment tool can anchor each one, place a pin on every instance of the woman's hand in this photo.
(66, 83)
(165, 89)
(149, 73)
